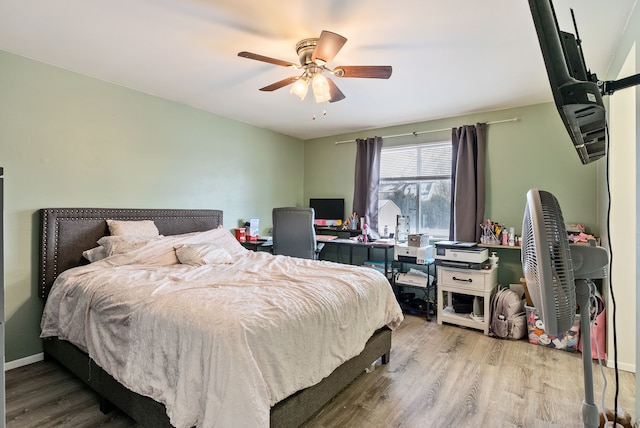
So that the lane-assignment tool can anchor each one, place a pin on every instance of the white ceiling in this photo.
(449, 57)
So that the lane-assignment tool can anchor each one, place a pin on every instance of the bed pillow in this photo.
(123, 244)
(95, 254)
(202, 254)
(223, 238)
(132, 228)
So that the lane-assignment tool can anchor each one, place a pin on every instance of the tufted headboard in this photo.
(66, 232)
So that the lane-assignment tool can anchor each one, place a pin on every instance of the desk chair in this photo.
(293, 232)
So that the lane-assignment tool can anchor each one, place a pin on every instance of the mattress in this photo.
(219, 343)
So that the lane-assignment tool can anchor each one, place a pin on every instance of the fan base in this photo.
(305, 49)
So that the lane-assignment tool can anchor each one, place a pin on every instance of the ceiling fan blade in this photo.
(328, 45)
(336, 93)
(280, 84)
(263, 58)
(367, 71)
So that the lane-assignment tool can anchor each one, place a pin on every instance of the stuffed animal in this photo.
(624, 421)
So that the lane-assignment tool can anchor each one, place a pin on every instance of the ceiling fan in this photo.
(314, 54)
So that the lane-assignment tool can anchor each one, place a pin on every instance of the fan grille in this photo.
(546, 262)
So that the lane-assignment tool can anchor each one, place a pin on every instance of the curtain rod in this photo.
(416, 133)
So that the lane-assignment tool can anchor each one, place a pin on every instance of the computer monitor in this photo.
(328, 211)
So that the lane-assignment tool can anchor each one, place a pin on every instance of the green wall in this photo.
(534, 151)
(68, 140)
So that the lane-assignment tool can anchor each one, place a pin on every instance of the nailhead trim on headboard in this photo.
(169, 221)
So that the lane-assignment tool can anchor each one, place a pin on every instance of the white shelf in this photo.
(500, 247)
(465, 320)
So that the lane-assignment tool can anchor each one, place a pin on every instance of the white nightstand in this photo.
(481, 283)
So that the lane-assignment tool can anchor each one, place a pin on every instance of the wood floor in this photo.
(439, 376)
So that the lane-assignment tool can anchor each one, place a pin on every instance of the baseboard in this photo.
(627, 367)
(23, 361)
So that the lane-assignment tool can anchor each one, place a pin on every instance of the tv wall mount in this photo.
(607, 87)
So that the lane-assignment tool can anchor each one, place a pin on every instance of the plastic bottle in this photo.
(512, 235)
(494, 259)
(504, 236)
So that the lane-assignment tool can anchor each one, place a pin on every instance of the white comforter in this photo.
(219, 344)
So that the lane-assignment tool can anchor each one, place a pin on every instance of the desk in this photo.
(337, 230)
(351, 244)
(259, 245)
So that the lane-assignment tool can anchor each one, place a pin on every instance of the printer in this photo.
(466, 255)
(411, 254)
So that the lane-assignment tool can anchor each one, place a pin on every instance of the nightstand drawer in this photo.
(470, 279)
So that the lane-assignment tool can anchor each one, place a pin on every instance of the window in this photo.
(416, 181)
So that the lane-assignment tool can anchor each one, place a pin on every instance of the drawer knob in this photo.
(463, 280)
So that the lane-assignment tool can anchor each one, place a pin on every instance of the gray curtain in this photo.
(367, 180)
(467, 182)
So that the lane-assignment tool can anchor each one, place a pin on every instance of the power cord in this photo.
(611, 293)
(593, 313)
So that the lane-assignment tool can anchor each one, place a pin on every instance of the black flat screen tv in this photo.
(328, 211)
(575, 90)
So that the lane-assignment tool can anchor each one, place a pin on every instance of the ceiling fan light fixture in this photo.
(314, 54)
(300, 88)
(321, 90)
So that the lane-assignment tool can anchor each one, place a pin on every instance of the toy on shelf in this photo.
(577, 235)
(351, 222)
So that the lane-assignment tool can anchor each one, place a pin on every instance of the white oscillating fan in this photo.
(558, 275)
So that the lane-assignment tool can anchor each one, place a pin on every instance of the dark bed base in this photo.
(66, 232)
(290, 412)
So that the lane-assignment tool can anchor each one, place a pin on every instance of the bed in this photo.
(68, 232)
